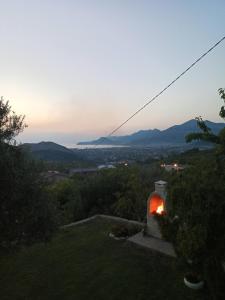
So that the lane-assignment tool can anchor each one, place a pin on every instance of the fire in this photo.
(160, 209)
(156, 205)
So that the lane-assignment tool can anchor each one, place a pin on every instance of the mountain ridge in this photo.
(172, 135)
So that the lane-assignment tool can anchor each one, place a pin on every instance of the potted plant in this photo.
(190, 246)
(119, 231)
(122, 231)
(193, 280)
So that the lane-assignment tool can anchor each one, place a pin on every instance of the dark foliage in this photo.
(122, 192)
(119, 230)
(206, 133)
(198, 197)
(168, 227)
(125, 229)
(25, 212)
(10, 123)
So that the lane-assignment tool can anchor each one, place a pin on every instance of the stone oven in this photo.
(156, 205)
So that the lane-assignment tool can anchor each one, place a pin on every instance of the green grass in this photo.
(84, 263)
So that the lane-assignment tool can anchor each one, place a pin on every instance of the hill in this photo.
(174, 135)
(50, 151)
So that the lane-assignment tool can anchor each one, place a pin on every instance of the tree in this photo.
(26, 214)
(67, 199)
(222, 96)
(198, 198)
(206, 133)
(10, 123)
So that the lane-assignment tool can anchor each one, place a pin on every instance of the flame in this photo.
(156, 205)
(160, 209)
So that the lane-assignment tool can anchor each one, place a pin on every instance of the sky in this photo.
(78, 68)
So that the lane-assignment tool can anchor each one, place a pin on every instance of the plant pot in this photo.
(195, 286)
(117, 238)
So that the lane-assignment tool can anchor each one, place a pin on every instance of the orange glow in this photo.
(156, 205)
(160, 209)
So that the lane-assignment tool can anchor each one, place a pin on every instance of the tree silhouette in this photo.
(206, 133)
(25, 211)
(10, 123)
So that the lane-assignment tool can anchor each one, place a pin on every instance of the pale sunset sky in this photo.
(79, 68)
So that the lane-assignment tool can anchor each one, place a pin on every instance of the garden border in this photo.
(104, 217)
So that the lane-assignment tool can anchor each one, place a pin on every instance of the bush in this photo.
(133, 229)
(168, 227)
(124, 230)
(26, 212)
(119, 230)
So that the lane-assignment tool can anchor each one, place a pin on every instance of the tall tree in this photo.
(25, 213)
(197, 197)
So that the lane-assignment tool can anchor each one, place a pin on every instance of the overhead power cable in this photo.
(169, 85)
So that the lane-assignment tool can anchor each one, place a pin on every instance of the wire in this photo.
(163, 90)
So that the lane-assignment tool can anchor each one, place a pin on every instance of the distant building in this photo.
(175, 167)
(106, 167)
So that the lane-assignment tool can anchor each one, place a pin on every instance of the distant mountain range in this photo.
(174, 135)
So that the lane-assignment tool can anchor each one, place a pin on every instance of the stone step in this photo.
(153, 244)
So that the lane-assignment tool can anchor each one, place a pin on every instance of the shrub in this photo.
(124, 230)
(168, 227)
(133, 229)
(26, 212)
(120, 230)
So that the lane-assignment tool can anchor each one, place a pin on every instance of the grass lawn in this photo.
(82, 262)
